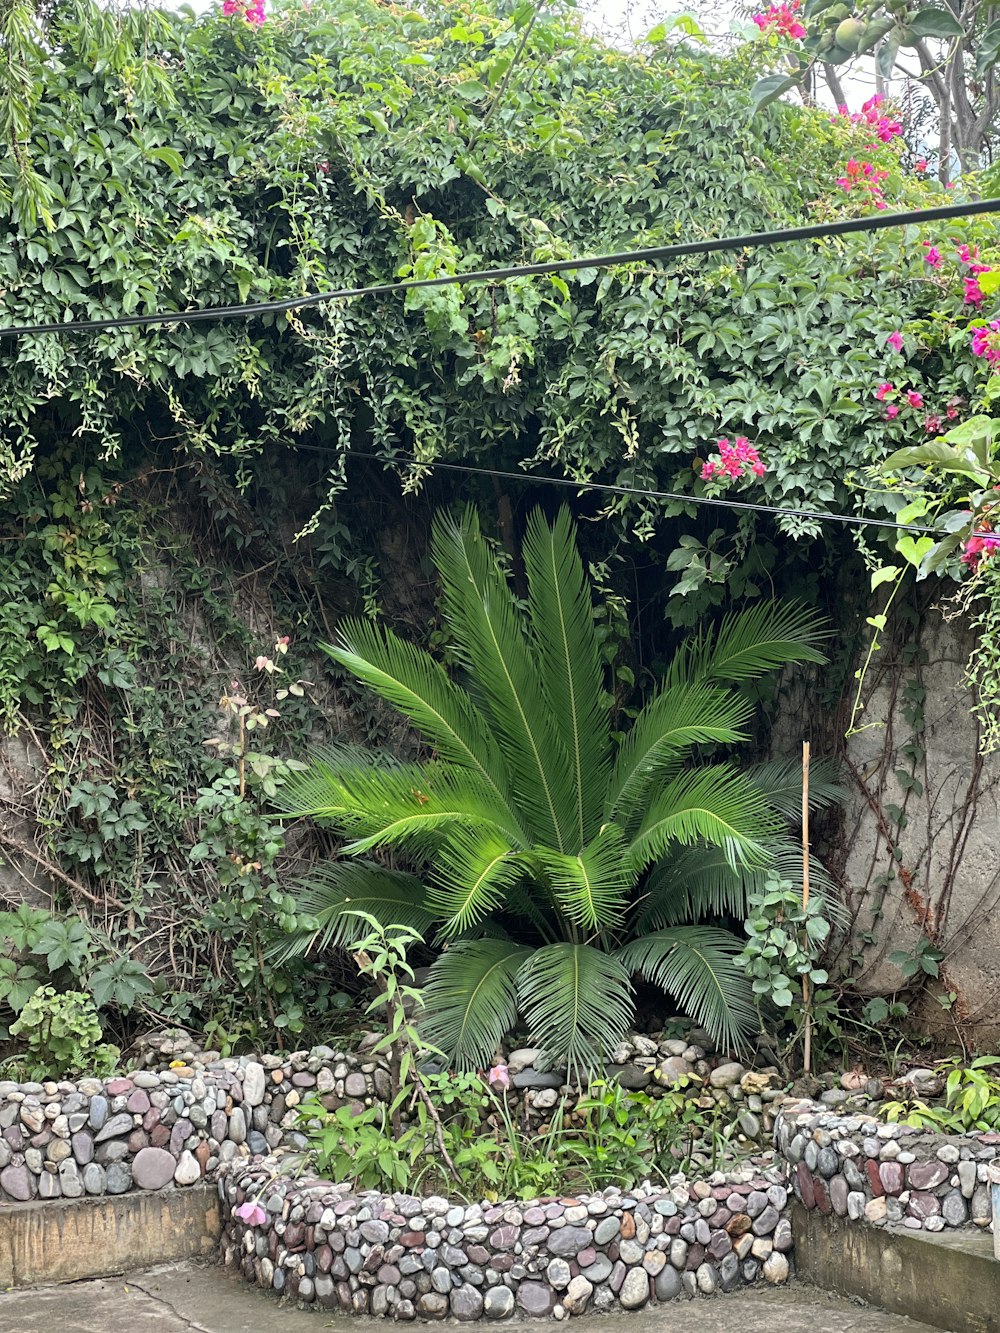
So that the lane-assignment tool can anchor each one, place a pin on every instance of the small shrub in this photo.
(63, 1035)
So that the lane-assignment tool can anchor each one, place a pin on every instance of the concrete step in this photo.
(948, 1279)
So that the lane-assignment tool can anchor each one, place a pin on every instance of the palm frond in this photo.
(490, 638)
(681, 716)
(561, 617)
(692, 884)
(473, 870)
(470, 1000)
(697, 966)
(781, 782)
(407, 677)
(577, 1001)
(377, 801)
(748, 643)
(591, 888)
(331, 894)
(717, 805)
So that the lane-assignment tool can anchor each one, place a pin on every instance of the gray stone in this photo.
(254, 1083)
(599, 1271)
(119, 1177)
(558, 1274)
(534, 1078)
(535, 1299)
(441, 1280)
(967, 1178)
(706, 1279)
(69, 1179)
(48, 1186)
(237, 1126)
(635, 1289)
(432, 1305)
(466, 1302)
(776, 1268)
(630, 1251)
(569, 1241)
(152, 1168)
(766, 1222)
(187, 1171)
(98, 1112)
(498, 1303)
(83, 1147)
(94, 1179)
(607, 1229)
(16, 1181)
(117, 1125)
(729, 1272)
(667, 1284)
(726, 1076)
(954, 1208)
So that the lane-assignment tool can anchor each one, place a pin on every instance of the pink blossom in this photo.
(733, 460)
(499, 1077)
(920, 164)
(932, 425)
(976, 269)
(986, 341)
(933, 255)
(251, 1213)
(974, 294)
(782, 18)
(892, 411)
(264, 664)
(884, 390)
(951, 413)
(758, 468)
(966, 255)
(895, 341)
(707, 471)
(915, 399)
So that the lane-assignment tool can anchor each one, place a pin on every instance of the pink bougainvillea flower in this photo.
(892, 411)
(951, 413)
(251, 1213)
(933, 255)
(915, 399)
(895, 341)
(974, 294)
(920, 164)
(986, 341)
(976, 269)
(782, 18)
(932, 425)
(966, 255)
(884, 390)
(733, 460)
(758, 468)
(499, 1077)
(707, 471)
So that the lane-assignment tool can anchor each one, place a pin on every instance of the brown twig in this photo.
(51, 869)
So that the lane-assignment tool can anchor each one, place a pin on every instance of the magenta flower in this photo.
(933, 255)
(915, 399)
(251, 1213)
(986, 341)
(782, 18)
(707, 471)
(974, 294)
(920, 164)
(892, 411)
(499, 1077)
(895, 341)
(932, 425)
(884, 390)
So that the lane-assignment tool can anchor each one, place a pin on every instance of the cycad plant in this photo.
(553, 860)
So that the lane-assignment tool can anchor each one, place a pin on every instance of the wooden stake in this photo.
(807, 1043)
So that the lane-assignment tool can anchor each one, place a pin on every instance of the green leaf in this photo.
(470, 1000)
(472, 90)
(770, 88)
(885, 574)
(934, 23)
(577, 1001)
(170, 156)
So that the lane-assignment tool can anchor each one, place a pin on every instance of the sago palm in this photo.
(553, 863)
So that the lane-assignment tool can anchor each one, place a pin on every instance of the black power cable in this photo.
(754, 240)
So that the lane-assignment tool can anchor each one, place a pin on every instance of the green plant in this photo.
(785, 941)
(536, 829)
(972, 1101)
(63, 1036)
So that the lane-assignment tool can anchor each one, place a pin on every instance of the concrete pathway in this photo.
(198, 1297)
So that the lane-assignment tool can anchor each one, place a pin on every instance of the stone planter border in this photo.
(409, 1258)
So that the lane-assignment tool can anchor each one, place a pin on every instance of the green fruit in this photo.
(835, 14)
(849, 33)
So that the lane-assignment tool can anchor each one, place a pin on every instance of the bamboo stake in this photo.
(807, 1043)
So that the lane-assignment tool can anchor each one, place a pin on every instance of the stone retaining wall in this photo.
(408, 1258)
(863, 1169)
(157, 1127)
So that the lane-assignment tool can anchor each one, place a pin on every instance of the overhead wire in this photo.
(653, 254)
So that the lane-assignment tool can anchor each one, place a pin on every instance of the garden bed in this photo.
(405, 1258)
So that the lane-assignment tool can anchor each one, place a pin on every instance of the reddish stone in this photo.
(874, 1179)
(159, 1136)
(925, 1175)
(412, 1239)
(117, 1087)
(628, 1226)
(503, 1263)
(805, 1183)
(822, 1196)
(719, 1218)
(672, 1225)
(739, 1225)
(202, 1153)
(720, 1192)
(695, 1256)
(505, 1237)
(151, 1118)
(294, 1235)
(137, 1140)
(478, 1254)
(586, 1257)
(138, 1103)
(892, 1177)
(923, 1205)
(324, 1259)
